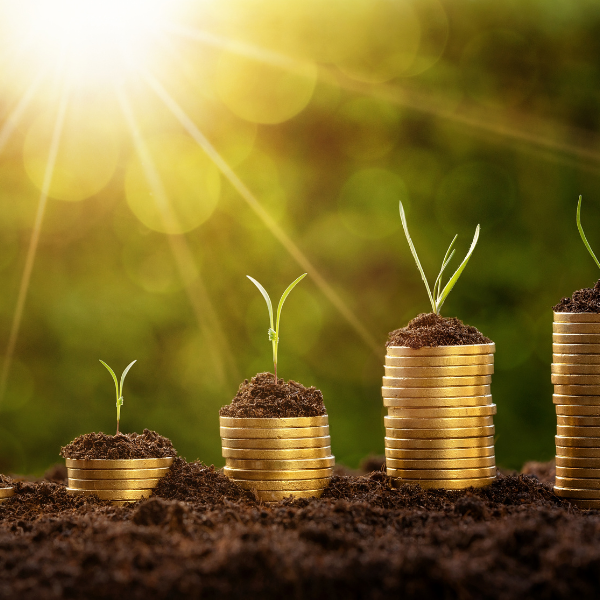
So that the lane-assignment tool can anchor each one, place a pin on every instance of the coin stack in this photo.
(440, 427)
(576, 379)
(278, 458)
(121, 480)
(6, 493)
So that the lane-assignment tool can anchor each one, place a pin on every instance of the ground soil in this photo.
(262, 397)
(123, 445)
(585, 300)
(429, 329)
(202, 537)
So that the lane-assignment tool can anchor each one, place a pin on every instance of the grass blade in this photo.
(262, 290)
(123, 376)
(284, 296)
(114, 377)
(583, 234)
(438, 282)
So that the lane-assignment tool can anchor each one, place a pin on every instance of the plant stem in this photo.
(275, 365)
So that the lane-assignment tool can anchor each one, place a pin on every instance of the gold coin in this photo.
(113, 484)
(278, 454)
(439, 372)
(122, 463)
(416, 474)
(587, 494)
(571, 452)
(580, 400)
(559, 348)
(452, 463)
(277, 495)
(585, 504)
(434, 403)
(443, 412)
(577, 483)
(113, 494)
(239, 433)
(592, 339)
(576, 359)
(277, 475)
(578, 410)
(273, 423)
(578, 473)
(439, 361)
(459, 432)
(442, 350)
(435, 382)
(274, 443)
(442, 453)
(577, 462)
(561, 317)
(577, 390)
(7, 492)
(575, 369)
(316, 463)
(441, 392)
(578, 432)
(286, 485)
(437, 423)
(447, 484)
(576, 328)
(577, 441)
(578, 421)
(439, 443)
(575, 379)
(116, 473)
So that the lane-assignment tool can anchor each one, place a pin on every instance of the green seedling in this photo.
(586, 243)
(119, 388)
(274, 331)
(438, 296)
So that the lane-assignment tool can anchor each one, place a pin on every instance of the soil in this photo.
(586, 300)
(262, 397)
(123, 445)
(429, 329)
(362, 539)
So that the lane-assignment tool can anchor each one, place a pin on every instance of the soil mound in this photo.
(262, 397)
(586, 300)
(429, 329)
(129, 445)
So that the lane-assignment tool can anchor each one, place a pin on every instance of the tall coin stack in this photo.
(120, 480)
(276, 457)
(576, 379)
(440, 428)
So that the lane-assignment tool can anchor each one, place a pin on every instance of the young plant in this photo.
(119, 388)
(438, 296)
(274, 331)
(587, 245)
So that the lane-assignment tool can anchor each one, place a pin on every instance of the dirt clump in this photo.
(586, 300)
(429, 329)
(262, 397)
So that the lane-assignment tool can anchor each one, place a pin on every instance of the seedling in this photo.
(439, 295)
(274, 332)
(587, 245)
(119, 388)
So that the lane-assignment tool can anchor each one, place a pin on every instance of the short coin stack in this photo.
(440, 428)
(276, 457)
(121, 480)
(576, 379)
(6, 493)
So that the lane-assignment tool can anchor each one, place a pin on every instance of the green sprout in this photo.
(439, 295)
(274, 332)
(587, 245)
(119, 388)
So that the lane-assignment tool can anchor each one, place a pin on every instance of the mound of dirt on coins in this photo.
(586, 300)
(123, 445)
(262, 397)
(429, 329)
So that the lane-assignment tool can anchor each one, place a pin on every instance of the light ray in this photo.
(271, 224)
(226, 369)
(33, 243)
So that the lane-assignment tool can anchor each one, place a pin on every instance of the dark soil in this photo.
(429, 329)
(362, 539)
(586, 300)
(262, 397)
(123, 445)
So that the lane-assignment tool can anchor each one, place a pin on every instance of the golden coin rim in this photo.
(279, 464)
(574, 369)
(278, 474)
(7, 492)
(276, 443)
(574, 379)
(571, 400)
(584, 494)
(284, 433)
(573, 452)
(435, 382)
(440, 453)
(577, 410)
(448, 484)
(575, 359)
(113, 494)
(290, 484)
(441, 463)
(461, 402)
(432, 474)
(437, 422)
(274, 423)
(580, 483)
(466, 350)
(439, 361)
(560, 348)
(454, 412)
(439, 372)
(438, 443)
(450, 433)
(440, 392)
(278, 495)
(576, 317)
(577, 390)
(122, 463)
(119, 474)
(277, 453)
(112, 484)
(576, 328)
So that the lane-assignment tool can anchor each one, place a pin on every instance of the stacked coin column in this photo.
(439, 428)
(121, 480)
(278, 458)
(576, 379)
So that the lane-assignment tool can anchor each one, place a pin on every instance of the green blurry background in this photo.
(328, 113)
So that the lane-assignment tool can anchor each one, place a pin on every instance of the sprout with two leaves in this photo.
(438, 295)
(586, 243)
(119, 388)
(273, 331)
